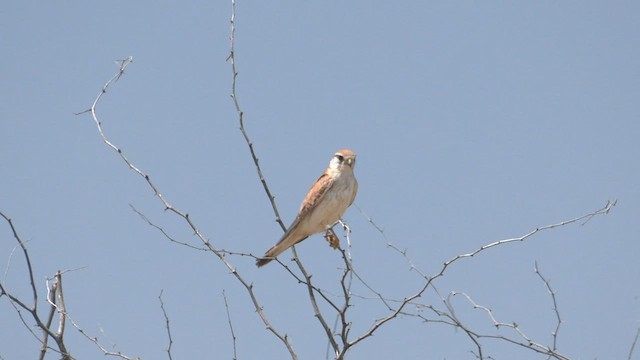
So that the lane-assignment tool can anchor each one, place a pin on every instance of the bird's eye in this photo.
(339, 157)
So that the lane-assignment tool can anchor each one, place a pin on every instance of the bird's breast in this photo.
(333, 204)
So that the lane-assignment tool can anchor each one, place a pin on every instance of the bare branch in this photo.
(185, 216)
(316, 310)
(94, 340)
(27, 259)
(236, 103)
(33, 310)
(234, 97)
(166, 320)
(392, 246)
(310, 288)
(555, 307)
(51, 298)
(420, 292)
(346, 292)
(459, 324)
(169, 237)
(55, 298)
(602, 211)
(233, 334)
(633, 345)
(527, 343)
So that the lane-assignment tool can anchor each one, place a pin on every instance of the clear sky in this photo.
(473, 122)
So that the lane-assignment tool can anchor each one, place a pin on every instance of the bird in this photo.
(324, 205)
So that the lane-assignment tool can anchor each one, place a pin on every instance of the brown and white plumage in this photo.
(326, 201)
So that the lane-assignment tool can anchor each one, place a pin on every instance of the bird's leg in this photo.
(347, 231)
(345, 227)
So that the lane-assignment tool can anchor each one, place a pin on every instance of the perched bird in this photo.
(326, 201)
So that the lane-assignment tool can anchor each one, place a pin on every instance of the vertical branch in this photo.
(233, 334)
(346, 292)
(185, 216)
(240, 113)
(316, 308)
(234, 70)
(61, 307)
(27, 259)
(236, 103)
(33, 310)
(232, 60)
(55, 298)
(555, 306)
(166, 320)
(51, 298)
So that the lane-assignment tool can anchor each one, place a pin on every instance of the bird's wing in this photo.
(314, 196)
(355, 191)
(292, 235)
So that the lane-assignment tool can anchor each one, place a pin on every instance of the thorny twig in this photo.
(555, 307)
(271, 197)
(377, 324)
(167, 325)
(185, 216)
(166, 235)
(307, 278)
(527, 343)
(233, 334)
(234, 97)
(33, 309)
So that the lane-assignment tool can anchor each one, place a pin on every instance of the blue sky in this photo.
(473, 122)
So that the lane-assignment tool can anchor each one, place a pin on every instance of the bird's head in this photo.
(343, 158)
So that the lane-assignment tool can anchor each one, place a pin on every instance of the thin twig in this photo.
(34, 292)
(377, 324)
(527, 343)
(633, 345)
(185, 216)
(236, 103)
(167, 325)
(234, 97)
(166, 235)
(97, 343)
(33, 309)
(314, 303)
(459, 324)
(555, 307)
(346, 291)
(403, 253)
(233, 334)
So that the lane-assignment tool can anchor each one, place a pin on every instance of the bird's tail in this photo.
(285, 243)
(271, 254)
(263, 261)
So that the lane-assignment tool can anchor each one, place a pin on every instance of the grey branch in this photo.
(555, 307)
(233, 334)
(429, 280)
(167, 325)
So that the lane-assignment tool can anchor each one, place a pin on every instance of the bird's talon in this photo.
(332, 239)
